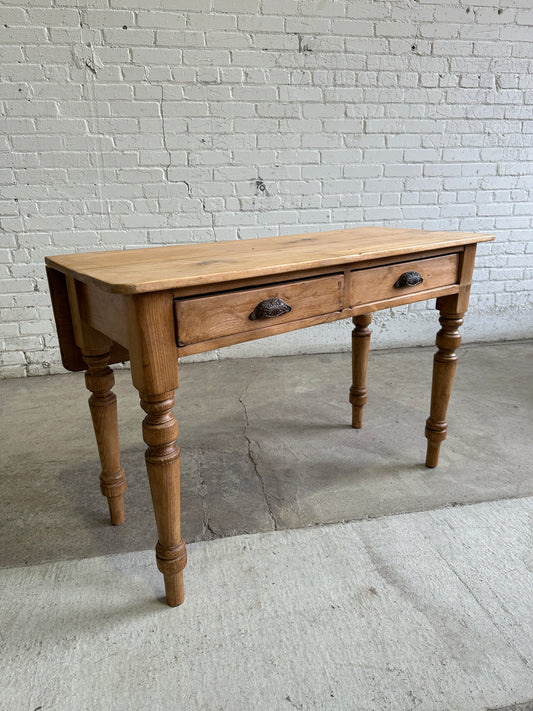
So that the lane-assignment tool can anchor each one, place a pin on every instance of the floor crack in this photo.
(208, 533)
(252, 458)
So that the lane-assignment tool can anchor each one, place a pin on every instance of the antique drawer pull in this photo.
(408, 279)
(269, 308)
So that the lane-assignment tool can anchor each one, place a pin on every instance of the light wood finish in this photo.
(105, 312)
(95, 349)
(216, 321)
(452, 309)
(444, 365)
(306, 273)
(201, 319)
(155, 305)
(154, 369)
(70, 351)
(160, 430)
(466, 269)
(71, 356)
(360, 347)
(99, 379)
(378, 283)
(159, 268)
(277, 328)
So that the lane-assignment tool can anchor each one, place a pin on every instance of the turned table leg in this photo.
(360, 346)
(444, 364)
(99, 379)
(160, 430)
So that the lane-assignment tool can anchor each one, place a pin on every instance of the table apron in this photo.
(274, 329)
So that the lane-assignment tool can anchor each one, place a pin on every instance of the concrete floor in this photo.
(266, 444)
(427, 611)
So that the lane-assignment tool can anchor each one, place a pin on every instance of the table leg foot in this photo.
(116, 509)
(360, 347)
(174, 590)
(432, 455)
(99, 379)
(444, 365)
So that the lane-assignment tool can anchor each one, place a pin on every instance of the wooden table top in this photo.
(136, 271)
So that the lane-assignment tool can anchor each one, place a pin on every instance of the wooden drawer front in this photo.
(206, 317)
(377, 283)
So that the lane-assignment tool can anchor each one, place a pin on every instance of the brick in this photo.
(524, 18)
(278, 41)
(109, 18)
(260, 23)
(44, 54)
(342, 124)
(179, 38)
(254, 93)
(7, 176)
(232, 40)
(12, 16)
(210, 21)
(236, 6)
(199, 5)
(141, 175)
(14, 72)
(22, 35)
(358, 28)
(210, 57)
(61, 125)
(161, 20)
(53, 17)
(325, 111)
(129, 37)
(492, 49)
(31, 108)
(281, 7)
(307, 24)
(452, 48)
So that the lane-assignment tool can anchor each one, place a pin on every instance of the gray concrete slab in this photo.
(429, 611)
(266, 444)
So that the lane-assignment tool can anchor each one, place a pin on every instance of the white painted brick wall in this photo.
(149, 122)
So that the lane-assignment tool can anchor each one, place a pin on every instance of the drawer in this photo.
(381, 283)
(207, 317)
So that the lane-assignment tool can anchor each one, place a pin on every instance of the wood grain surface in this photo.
(200, 319)
(160, 268)
(379, 282)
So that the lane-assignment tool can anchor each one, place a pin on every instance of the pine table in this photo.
(150, 306)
